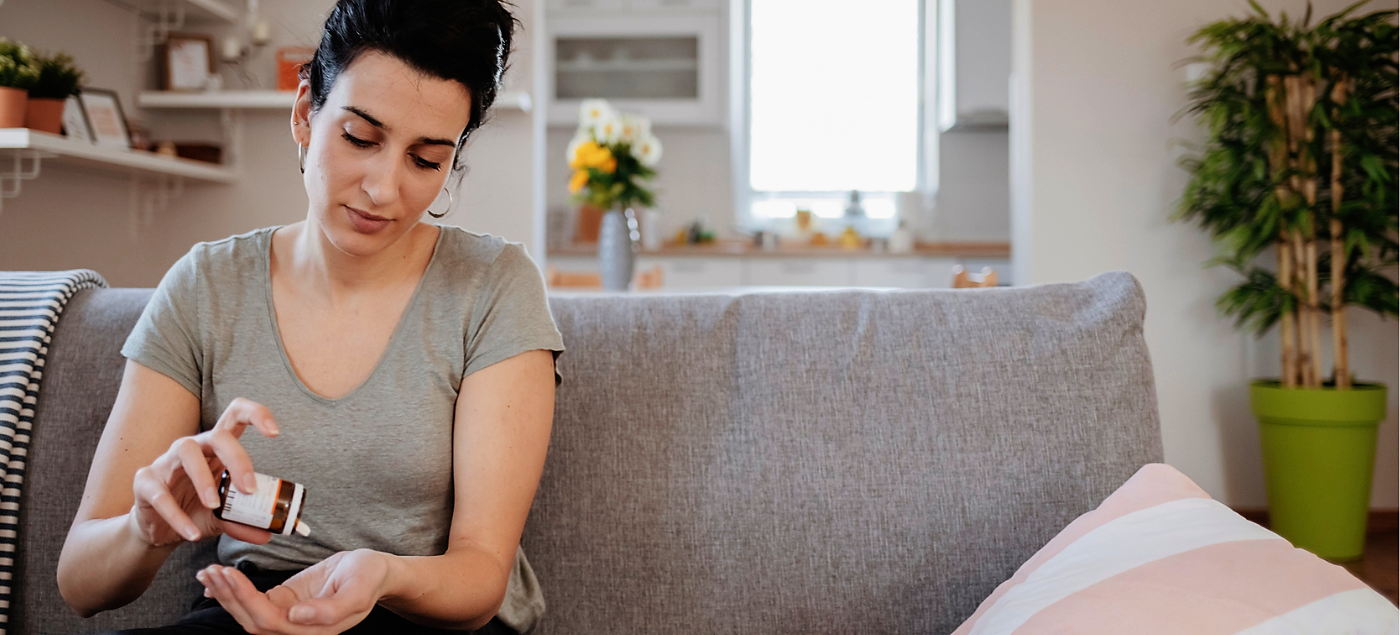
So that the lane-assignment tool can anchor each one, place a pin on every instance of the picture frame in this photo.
(75, 121)
(103, 110)
(186, 61)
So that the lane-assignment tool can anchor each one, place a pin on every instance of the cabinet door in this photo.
(700, 5)
(584, 5)
(665, 67)
(975, 72)
(689, 273)
(938, 272)
(800, 272)
(899, 273)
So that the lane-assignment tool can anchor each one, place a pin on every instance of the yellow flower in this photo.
(590, 155)
(609, 165)
(579, 180)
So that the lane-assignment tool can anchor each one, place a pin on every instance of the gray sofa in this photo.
(804, 462)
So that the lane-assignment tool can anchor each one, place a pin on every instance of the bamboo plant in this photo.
(1300, 157)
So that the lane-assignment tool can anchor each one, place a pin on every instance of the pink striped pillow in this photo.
(1160, 556)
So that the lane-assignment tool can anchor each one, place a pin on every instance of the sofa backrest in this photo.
(778, 462)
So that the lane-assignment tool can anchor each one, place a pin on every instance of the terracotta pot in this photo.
(590, 219)
(45, 115)
(12, 107)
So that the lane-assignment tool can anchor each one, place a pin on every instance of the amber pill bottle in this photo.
(276, 506)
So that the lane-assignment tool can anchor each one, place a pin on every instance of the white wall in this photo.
(1094, 180)
(69, 219)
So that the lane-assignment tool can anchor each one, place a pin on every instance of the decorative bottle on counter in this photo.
(617, 249)
(901, 239)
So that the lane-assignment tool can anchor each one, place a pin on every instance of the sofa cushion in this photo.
(1160, 557)
(828, 462)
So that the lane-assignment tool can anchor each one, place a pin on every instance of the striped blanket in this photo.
(30, 303)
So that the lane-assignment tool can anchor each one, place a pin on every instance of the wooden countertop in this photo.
(745, 248)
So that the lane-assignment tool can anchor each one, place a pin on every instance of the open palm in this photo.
(329, 597)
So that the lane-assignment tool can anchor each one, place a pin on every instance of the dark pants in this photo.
(207, 617)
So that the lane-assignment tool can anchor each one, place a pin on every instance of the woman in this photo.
(402, 371)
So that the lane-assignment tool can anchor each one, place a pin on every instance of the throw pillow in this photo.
(1160, 556)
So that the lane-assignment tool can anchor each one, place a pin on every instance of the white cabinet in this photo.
(903, 273)
(974, 65)
(669, 5)
(664, 65)
(800, 272)
(563, 6)
(687, 272)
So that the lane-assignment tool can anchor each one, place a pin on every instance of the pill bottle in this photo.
(276, 505)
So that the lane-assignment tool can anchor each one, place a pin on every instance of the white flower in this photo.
(647, 150)
(592, 111)
(631, 128)
(581, 137)
(608, 130)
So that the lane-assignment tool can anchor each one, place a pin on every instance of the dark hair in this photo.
(467, 41)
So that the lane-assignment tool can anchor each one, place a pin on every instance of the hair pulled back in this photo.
(467, 41)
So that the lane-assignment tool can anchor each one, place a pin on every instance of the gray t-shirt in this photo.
(376, 463)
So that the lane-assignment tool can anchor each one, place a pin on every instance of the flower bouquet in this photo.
(611, 155)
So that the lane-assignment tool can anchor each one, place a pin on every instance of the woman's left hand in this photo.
(329, 597)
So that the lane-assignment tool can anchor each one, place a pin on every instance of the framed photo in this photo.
(187, 61)
(75, 121)
(104, 114)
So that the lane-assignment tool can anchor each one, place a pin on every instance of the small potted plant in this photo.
(58, 80)
(610, 156)
(1300, 161)
(18, 71)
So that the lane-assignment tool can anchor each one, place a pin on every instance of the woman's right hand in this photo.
(176, 495)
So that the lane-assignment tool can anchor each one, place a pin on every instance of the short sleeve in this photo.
(511, 314)
(166, 338)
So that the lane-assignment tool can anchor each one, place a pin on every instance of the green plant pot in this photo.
(1319, 448)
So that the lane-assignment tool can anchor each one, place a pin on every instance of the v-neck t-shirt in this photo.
(377, 462)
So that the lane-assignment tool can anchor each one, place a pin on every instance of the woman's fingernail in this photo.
(250, 482)
(301, 614)
(211, 498)
(191, 534)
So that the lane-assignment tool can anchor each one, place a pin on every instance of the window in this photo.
(834, 104)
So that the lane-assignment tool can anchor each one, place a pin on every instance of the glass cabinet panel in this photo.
(626, 67)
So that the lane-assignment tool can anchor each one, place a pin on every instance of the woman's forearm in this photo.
(105, 565)
(462, 589)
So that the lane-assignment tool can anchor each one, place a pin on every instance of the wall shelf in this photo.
(273, 99)
(81, 154)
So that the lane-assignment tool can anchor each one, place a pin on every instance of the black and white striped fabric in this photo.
(30, 303)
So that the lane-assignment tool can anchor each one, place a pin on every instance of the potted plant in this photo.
(610, 155)
(58, 79)
(1300, 159)
(18, 71)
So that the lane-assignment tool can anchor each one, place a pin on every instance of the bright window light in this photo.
(834, 95)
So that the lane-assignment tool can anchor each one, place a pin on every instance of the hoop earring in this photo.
(301, 158)
(449, 205)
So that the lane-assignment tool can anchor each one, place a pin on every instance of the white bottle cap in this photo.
(302, 528)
